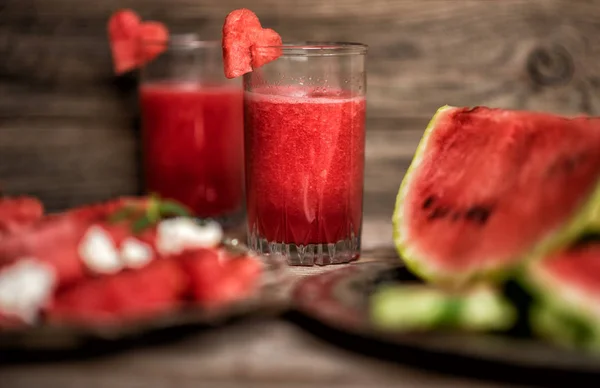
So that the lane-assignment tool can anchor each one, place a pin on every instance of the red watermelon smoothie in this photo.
(304, 147)
(192, 119)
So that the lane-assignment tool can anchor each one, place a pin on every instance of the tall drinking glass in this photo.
(192, 125)
(304, 117)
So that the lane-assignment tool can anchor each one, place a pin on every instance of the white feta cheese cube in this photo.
(135, 253)
(98, 251)
(25, 287)
(178, 234)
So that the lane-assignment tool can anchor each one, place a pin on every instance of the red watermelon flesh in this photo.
(19, 212)
(10, 322)
(57, 229)
(566, 288)
(217, 279)
(488, 185)
(100, 211)
(55, 238)
(266, 48)
(577, 269)
(52, 240)
(155, 289)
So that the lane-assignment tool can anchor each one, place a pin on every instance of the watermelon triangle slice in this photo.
(488, 188)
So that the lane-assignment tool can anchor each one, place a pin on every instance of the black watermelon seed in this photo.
(428, 202)
(439, 212)
(567, 164)
(478, 214)
(570, 164)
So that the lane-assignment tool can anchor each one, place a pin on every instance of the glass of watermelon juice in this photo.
(304, 120)
(192, 129)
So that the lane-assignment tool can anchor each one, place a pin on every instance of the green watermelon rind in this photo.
(563, 328)
(413, 264)
(410, 307)
(549, 311)
(550, 325)
(586, 219)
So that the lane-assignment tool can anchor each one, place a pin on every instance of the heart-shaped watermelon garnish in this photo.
(133, 42)
(245, 43)
(154, 38)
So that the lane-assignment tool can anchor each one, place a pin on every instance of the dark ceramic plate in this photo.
(337, 302)
(64, 338)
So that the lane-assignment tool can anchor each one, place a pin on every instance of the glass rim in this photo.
(318, 48)
(189, 40)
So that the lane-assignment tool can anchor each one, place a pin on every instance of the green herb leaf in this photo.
(153, 212)
(141, 224)
(121, 214)
(172, 208)
(156, 210)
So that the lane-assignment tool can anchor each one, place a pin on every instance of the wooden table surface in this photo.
(253, 353)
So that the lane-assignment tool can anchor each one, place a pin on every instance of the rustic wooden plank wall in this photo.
(68, 126)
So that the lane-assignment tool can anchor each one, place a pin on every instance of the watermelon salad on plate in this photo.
(122, 263)
(498, 217)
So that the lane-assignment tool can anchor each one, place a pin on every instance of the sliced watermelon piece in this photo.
(421, 307)
(19, 212)
(246, 45)
(217, 279)
(134, 43)
(454, 221)
(55, 239)
(155, 289)
(52, 241)
(100, 211)
(566, 287)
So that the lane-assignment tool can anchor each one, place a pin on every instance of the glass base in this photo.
(341, 252)
(228, 221)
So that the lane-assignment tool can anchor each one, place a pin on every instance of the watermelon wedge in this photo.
(566, 286)
(454, 221)
(246, 44)
(134, 43)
